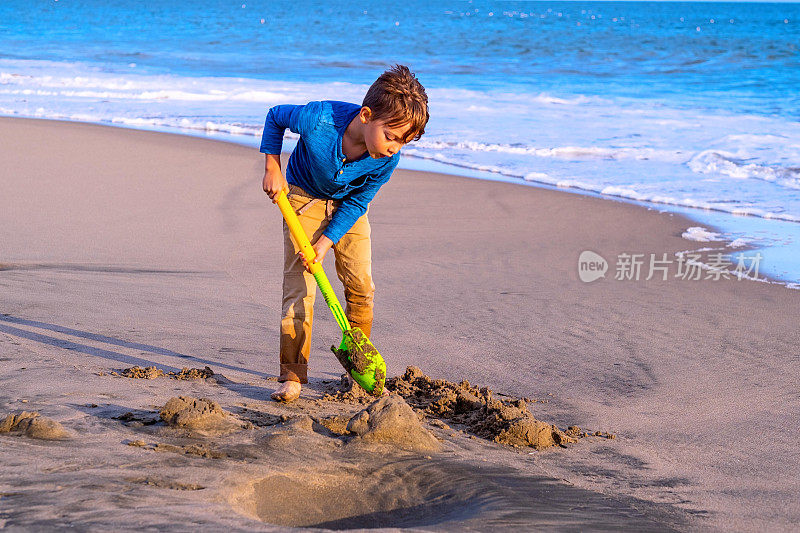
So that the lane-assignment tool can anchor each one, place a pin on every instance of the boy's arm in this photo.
(355, 204)
(273, 181)
(300, 119)
(352, 207)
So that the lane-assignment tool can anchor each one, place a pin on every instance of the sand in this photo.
(34, 426)
(506, 421)
(122, 248)
(392, 421)
(199, 414)
(152, 372)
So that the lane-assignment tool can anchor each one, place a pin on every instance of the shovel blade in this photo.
(362, 361)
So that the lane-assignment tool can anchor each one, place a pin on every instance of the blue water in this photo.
(691, 107)
(747, 55)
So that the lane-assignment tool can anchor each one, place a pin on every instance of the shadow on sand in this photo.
(6, 326)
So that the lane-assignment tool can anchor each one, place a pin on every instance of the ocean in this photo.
(686, 107)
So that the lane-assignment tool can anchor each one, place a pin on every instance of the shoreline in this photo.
(714, 220)
(129, 247)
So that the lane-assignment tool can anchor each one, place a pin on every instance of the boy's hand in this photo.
(273, 181)
(321, 247)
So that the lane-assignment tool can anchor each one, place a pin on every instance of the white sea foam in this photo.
(700, 234)
(186, 124)
(141, 93)
(616, 191)
(548, 99)
(728, 164)
(559, 152)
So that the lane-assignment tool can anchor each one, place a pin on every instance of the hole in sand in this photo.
(404, 494)
(443, 494)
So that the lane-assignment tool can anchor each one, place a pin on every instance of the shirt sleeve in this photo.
(355, 204)
(300, 119)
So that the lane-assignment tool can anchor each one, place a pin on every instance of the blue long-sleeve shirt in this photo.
(317, 164)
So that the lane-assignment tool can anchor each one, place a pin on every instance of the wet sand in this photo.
(122, 248)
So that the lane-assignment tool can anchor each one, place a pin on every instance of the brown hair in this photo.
(399, 98)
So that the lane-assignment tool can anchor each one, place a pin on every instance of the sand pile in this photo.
(391, 420)
(192, 373)
(137, 372)
(151, 372)
(504, 421)
(32, 425)
(199, 414)
(347, 391)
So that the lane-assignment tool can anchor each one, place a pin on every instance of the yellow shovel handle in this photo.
(297, 231)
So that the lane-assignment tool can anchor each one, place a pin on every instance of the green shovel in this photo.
(356, 353)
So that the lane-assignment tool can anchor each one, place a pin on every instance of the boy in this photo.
(345, 154)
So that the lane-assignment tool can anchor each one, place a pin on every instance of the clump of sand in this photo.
(192, 373)
(137, 372)
(347, 391)
(32, 425)
(152, 372)
(336, 424)
(199, 414)
(506, 421)
(391, 420)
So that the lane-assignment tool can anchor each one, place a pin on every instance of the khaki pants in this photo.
(353, 255)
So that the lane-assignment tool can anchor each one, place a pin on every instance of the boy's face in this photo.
(382, 140)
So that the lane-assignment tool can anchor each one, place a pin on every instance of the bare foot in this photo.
(289, 391)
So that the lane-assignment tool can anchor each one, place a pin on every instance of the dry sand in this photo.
(121, 248)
